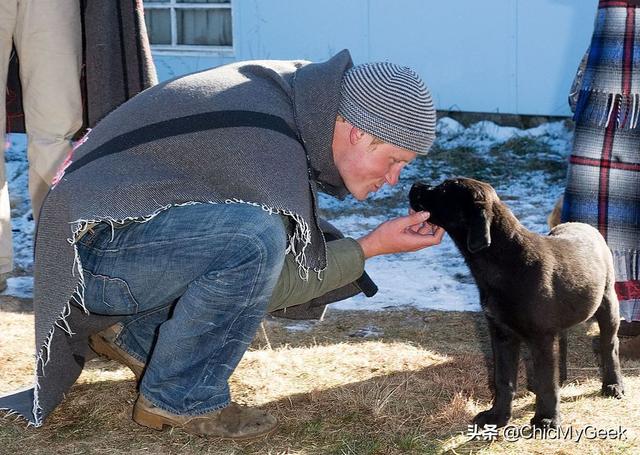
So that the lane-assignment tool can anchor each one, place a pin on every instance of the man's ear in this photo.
(356, 135)
(479, 234)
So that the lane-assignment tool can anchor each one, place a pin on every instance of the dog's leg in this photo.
(506, 347)
(562, 347)
(545, 362)
(608, 318)
(528, 363)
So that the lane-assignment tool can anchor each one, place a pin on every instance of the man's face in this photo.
(365, 168)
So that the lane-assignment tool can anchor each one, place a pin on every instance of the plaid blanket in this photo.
(603, 182)
(612, 73)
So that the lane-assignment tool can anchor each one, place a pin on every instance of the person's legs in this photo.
(215, 320)
(8, 14)
(139, 332)
(220, 262)
(48, 39)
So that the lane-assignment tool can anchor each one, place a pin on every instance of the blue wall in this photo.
(507, 56)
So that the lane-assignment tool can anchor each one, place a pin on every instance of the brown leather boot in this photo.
(630, 348)
(103, 343)
(232, 422)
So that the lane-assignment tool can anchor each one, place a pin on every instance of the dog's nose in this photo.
(416, 195)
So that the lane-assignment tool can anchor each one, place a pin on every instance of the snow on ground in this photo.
(22, 225)
(20, 287)
(527, 168)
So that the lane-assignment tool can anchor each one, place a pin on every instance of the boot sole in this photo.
(104, 349)
(158, 423)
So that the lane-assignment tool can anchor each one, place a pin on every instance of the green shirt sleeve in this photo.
(345, 263)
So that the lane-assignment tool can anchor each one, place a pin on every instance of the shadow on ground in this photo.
(413, 388)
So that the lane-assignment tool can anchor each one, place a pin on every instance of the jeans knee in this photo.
(251, 242)
(248, 259)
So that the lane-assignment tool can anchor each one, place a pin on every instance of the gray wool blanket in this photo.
(253, 132)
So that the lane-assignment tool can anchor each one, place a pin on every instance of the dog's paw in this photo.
(545, 422)
(613, 390)
(491, 417)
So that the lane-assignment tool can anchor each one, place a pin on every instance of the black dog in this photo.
(532, 288)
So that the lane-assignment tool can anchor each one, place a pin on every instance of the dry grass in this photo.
(413, 389)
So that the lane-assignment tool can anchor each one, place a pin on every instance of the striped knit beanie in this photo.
(390, 102)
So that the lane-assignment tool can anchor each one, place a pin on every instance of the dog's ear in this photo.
(479, 234)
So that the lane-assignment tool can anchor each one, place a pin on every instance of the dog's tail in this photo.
(554, 217)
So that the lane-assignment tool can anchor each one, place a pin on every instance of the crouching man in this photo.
(190, 211)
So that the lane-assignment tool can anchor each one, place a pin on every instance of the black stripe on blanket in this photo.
(185, 125)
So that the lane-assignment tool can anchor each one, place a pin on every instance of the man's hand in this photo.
(400, 235)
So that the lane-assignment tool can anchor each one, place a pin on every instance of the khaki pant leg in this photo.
(49, 41)
(38, 189)
(8, 13)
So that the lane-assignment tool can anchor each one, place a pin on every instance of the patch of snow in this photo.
(369, 331)
(300, 326)
(492, 132)
(550, 129)
(20, 286)
(434, 278)
(437, 277)
(22, 225)
(479, 135)
(447, 126)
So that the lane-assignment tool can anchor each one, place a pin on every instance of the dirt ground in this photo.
(393, 382)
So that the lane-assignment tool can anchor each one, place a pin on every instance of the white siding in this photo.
(507, 56)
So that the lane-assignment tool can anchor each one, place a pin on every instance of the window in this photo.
(189, 25)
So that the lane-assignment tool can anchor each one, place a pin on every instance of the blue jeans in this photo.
(193, 285)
